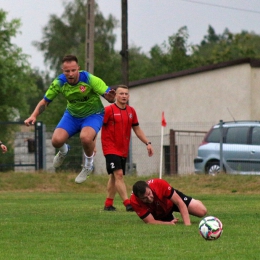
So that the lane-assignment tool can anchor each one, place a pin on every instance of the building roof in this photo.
(254, 63)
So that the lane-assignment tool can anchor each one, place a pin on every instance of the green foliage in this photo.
(140, 66)
(15, 73)
(40, 80)
(17, 85)
(107, 64)
(172, 56)
(67, 35)
(219, 48)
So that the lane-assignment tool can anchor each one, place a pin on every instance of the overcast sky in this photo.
(150, 22)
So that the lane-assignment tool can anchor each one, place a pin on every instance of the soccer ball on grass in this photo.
(210, 228)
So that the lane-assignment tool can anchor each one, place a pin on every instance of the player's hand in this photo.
(150, 150)
(30, 121)
(110, 96)
(174, 221)
(4, 148)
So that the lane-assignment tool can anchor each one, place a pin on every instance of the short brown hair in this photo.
(69, 58)
(139, 188)
(122, 86)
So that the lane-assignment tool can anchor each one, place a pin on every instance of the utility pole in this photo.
(124, 51)
(89, 43)
(125, 69)
(90, 27)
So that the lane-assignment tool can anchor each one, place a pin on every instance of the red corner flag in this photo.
(163, 120)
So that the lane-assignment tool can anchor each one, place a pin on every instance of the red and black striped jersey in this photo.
(116, 129)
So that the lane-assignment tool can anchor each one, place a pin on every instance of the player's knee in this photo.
(57, 142)
(197, 208)
(86, 139)
(202, 209)
(118, 174)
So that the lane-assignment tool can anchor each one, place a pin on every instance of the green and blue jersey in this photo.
(83, 98)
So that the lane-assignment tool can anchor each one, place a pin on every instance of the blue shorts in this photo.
(74, 125)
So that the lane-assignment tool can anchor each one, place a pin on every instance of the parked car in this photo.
(240, 149)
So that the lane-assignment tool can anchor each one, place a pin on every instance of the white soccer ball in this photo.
(210, 228)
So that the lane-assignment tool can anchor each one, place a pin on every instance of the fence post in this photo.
(221, 146)
(39, 161)
(173, 162)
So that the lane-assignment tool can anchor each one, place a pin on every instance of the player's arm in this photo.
(37, 111)
(140, 134)
(150, 220)
(101, 88)
(176, 199)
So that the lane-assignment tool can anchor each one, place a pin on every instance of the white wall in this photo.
(202, 97)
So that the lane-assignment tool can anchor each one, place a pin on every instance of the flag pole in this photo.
(163, 123)
(161, 155)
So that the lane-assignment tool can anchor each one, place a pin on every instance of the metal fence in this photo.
(186, 146)
(27, 153)
(26, 146)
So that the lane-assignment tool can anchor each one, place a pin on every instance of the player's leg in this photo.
(119, 173)
(197, 208)
(90, 127)
(59, 137)
(66, 128)
(111, 192)
(120, 184)
(87, 137)
(111, 189)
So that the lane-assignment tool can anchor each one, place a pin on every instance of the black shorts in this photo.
(115, 162)
(186, 199)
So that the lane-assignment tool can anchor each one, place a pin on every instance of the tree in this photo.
(67, 34)
(15, 72)
(15, 81)
(172, 56)
(140, 66)
(211, 37)
(227, 46)
(42, 81)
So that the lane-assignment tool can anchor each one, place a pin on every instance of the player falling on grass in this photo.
(155, 201)
(119, 120)
(84, 113)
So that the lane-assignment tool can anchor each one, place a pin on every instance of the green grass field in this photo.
(47, 216)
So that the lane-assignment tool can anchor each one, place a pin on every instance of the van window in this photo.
(256, 136)
(214, 136)
(237, 135)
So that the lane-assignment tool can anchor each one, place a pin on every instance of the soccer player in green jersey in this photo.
(84, 113)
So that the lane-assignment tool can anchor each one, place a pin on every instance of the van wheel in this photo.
(213, 168)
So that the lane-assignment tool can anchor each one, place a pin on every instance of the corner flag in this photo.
(161, 157)
(163, 120)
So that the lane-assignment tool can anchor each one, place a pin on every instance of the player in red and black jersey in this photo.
(155, 201)
(119, 120)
